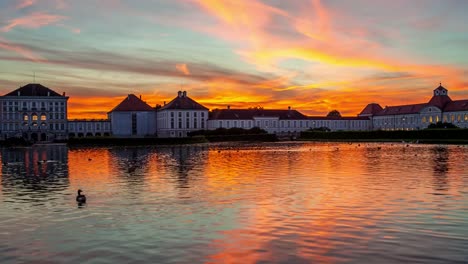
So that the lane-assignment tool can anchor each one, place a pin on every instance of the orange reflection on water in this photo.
(89, 166)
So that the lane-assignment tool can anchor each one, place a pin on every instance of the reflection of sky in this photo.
(313, 55)
(278, 202)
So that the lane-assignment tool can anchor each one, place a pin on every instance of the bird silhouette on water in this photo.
(80, 198)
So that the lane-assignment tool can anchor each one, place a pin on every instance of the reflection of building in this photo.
(34, 112)
(181, 116)
(418, 116)
(36, 171)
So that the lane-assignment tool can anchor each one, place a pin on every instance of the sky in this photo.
(312, 55)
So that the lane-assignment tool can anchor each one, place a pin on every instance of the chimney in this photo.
(229, 107)
(63, 93)
(140, 96)
(19, 93)
(164, 102)
(48, 93)
(184, 94)
(128, 97)
(179, 93)
(289, 108)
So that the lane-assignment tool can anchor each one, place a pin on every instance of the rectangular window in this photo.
(202, 123)
(134, 124)
(187, 123)
(180, 122)
(195, 123)
(172, 122)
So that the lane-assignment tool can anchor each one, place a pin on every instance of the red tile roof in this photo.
(440, 100)
(132, 103)
(235, 114)
(183, 102)
(371, 109)
(459, 105)
(338, 118)
(401, 109)
(33, 89)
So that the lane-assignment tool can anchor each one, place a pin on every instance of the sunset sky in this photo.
(313, 55)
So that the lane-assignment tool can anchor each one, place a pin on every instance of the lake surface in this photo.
(230, 203)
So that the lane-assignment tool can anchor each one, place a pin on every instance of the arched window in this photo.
(34, 117)
(43, 117)
(430, 119)
(424, 119)
(25, 117)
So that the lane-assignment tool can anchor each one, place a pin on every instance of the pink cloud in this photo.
(28, 54)
(34, 20)
(25, 3)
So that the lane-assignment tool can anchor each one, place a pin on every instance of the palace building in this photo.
(181, 116)
(35, 113)
(440, 108)
(38, 113)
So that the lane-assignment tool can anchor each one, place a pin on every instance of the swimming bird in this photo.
(80, 198)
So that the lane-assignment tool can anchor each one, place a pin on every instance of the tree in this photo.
(334, 113)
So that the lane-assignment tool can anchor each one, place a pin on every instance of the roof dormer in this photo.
(440, 91)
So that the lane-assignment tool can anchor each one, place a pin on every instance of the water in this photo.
(227, 203)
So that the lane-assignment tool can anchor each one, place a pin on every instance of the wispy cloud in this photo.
(25, 3)
(21, 50)
(33, 20)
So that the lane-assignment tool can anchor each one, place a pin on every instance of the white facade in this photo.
(35, 113)
(178, 123)
(181, 116)
(89, 128)
(133, 123)
(459, 118)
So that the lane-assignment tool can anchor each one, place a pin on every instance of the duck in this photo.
(80, 198)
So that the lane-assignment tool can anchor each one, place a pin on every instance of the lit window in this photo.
(25, 117)
(452, 118)
(43, 117)
(459, 118)
(466, 117)
(424, 119)
(34, 117)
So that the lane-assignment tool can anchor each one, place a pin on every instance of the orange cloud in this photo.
(34, 20)
(183, 68)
